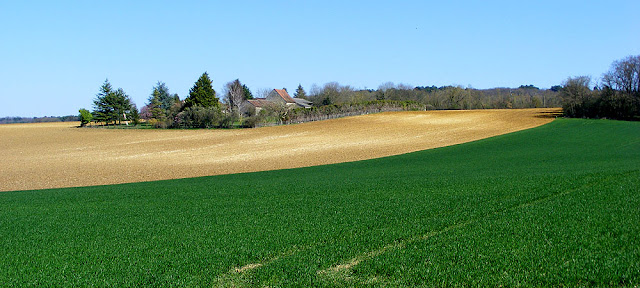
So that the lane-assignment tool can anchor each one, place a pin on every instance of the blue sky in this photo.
(54, 55)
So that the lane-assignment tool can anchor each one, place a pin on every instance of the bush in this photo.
(251, 122)
(85, 117)
(228, 119)
(162, 124)
(198, 117)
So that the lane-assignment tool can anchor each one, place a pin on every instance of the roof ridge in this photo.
(285, 95)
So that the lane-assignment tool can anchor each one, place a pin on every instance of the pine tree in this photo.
(102, 109)
(300, 92)
(155, 106)
(161, 91)
(111, 106)
(135, 115)
(122, 105)
(246, 92)
(202, 93)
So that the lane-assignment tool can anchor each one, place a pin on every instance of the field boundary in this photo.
(43, 156)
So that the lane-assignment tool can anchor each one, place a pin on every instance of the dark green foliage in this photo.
(199, 117)
(228, 120)
(122, 105)
(428, 89)
(166, 99)
(111, 106)
(556, 88)
(246, 92)
(202, 93)
(530, 86)
(85, 117)
(300, 93)
(160, 102)
(554, 206)
(135, 115)
(155, 107)
(251, 121)
(102, 107)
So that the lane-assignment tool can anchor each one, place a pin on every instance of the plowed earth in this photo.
(53, 155)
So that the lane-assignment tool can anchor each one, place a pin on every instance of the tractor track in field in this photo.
(341, 271)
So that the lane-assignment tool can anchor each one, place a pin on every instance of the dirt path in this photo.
(51, 155)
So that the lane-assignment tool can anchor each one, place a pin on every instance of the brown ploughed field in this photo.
(52, 155)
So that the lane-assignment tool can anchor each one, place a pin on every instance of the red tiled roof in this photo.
(259, 102)
(283, 93)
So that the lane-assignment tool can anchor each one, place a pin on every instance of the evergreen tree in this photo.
(122, 106)
(300, 92)
(155, 106)
(202, 93)
(246, 92)
(111, 106)
(102, 109)
(162, 93)
(135, 115)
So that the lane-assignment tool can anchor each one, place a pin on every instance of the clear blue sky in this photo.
(54, 55)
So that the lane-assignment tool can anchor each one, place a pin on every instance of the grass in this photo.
(557, 205)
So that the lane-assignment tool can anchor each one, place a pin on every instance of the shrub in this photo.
(198, 117)
(251, 121)
(85, 117)
(228, 119)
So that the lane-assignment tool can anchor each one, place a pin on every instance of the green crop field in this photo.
(557, 205)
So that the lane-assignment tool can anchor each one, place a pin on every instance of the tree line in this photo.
(437, 98)
(46, 119)
(615, 97)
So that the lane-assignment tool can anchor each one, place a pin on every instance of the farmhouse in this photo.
(281, 96)
(278, 96)
(258, 103)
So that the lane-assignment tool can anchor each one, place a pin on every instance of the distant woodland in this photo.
(12, 120)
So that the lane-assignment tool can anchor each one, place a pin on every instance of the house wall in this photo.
(275, 97)
(247, 105)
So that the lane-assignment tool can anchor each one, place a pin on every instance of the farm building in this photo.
(281, 96)
(304, 103)
(278, 96)
(258, 103)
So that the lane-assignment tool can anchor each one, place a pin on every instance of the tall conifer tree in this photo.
(202, 93)
(300, 92)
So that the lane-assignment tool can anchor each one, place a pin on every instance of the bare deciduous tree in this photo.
(263, 92)
(575, 95)
(624, 75)
(235, 95)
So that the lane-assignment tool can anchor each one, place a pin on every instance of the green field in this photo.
(557, 205)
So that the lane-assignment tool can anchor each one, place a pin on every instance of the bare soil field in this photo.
(53, 155)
